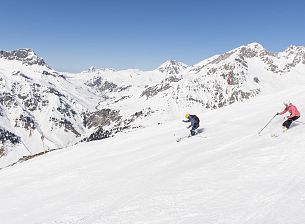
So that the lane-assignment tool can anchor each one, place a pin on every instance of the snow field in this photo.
(145, 176)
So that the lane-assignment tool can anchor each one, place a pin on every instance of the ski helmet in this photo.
(187, 116)
(286, 102)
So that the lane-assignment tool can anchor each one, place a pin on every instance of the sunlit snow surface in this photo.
(233, 176)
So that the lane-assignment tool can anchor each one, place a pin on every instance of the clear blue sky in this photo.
(71, 35)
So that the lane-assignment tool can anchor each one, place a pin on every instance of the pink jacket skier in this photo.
(294, 114)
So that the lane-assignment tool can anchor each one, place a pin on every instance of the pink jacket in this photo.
(292, 110)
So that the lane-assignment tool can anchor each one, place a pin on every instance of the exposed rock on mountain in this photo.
(26, 56)
(47, 109)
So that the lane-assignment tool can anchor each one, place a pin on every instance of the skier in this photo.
(294, 114)
(194, 122)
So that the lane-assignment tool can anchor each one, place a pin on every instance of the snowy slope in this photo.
(232, 176)
(66, 108)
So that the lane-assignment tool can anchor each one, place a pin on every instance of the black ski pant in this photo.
(289, 121)
(194, 127)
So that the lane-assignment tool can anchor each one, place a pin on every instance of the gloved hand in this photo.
(277, 113)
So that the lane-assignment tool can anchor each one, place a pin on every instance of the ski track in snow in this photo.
(233, 176)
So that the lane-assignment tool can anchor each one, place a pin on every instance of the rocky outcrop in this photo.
(102, 118)
(26, 56)
(159, 88)
(105, 87)
(8, 137)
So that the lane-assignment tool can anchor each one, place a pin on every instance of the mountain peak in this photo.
(93, 69)
(250, 50)
(172, 67)
(295, 48)
(25, 55)
(255, 45)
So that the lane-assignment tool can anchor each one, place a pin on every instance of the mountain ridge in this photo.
(67, 108)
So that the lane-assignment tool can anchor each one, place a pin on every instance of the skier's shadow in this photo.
(294, 124)
(200, 130)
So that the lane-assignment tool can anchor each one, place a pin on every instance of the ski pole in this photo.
(299, 122)
(267, 124)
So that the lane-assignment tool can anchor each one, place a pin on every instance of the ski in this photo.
(179, 139)
(196, 135)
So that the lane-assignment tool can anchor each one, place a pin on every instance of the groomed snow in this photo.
(232, 176)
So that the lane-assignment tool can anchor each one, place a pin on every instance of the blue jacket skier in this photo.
(194, 122)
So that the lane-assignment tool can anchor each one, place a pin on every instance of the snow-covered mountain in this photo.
(38, 103)
(172, 67)
(42, 109)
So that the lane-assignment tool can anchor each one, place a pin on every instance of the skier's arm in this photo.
(284, 111)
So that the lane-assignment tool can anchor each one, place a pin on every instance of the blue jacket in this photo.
(193, 119)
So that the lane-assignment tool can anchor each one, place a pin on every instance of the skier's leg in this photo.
(287, 123)
(194, 127)
(193, 132)
(295, 118)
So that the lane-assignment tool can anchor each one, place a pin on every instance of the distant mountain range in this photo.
(42, 109)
